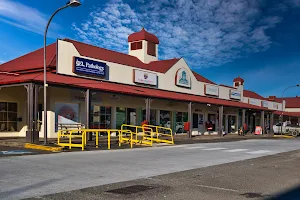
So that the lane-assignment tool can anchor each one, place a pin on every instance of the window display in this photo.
(181, 118)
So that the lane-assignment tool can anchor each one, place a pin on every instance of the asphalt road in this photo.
(38, 175)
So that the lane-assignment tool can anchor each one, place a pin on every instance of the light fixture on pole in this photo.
(283, 101)
(71, 3)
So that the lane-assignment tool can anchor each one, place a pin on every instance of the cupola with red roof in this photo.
(238, 82)
(144, 46)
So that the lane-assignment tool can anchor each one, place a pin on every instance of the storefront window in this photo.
(152, 116)
(165, 118)
(125, 116)
(100, 117)
(8, 116)
(181, 118)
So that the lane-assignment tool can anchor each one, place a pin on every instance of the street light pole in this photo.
(72, 3)
(282, 104)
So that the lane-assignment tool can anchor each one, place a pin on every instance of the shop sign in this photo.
(89, 67)
(183, 78)
(254, 102)
(265, 104)
(235, 94)
(211, 90)
(143, 77)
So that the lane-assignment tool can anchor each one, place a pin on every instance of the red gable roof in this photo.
(250, 94)
(32, 60)
(143, 35)
(290, 102)
(120, 88)
(201, 78)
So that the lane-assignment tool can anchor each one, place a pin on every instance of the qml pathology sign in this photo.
(235, 94)
(183, 78)
(211, 90)
(143, 77)
(89, 67)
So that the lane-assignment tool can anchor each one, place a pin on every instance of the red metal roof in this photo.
(32, 60)
(143, 35)
(290, 114)
(201, 78)
(290, 102)
(120, 88)
(238, 79)
(254, 95)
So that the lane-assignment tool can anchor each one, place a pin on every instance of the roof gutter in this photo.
(9, 73)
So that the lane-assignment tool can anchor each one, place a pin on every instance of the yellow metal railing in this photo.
(98, 131)
(160, 131)
(134, 135)
(70, 135)
(142, 135)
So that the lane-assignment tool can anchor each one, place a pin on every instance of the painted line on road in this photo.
(217, 188)
(214, 149)
(235, 150)
(258, 152)
(195, 147)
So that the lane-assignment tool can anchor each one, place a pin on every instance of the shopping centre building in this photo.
(101, 88)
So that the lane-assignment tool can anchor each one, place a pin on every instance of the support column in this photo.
(190, 119)
(221, 110)
(271, 123)
(87, 112)
(244, 120)
(298, 121)
(31, 135)
(268, 122)
(226, 124)
(148, 108)
(35, 115)
(262, 121)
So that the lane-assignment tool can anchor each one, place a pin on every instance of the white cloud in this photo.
(205, 32)
(22, 16)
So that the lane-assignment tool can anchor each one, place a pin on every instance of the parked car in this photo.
(286, 128)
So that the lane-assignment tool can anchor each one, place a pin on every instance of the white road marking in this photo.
(218, 188)
(214, 149)
(236, 150)
(195, 147)
(259, 152)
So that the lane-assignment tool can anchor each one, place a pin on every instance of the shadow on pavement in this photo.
(292, 194)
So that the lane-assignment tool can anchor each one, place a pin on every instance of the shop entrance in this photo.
(198, 123)
(232, 123)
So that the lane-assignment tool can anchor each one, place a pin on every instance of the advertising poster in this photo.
(66, 113)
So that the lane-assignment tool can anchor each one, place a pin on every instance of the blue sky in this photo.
(220, 39)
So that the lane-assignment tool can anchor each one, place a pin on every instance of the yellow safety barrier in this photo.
(157, 133)
(97, 131)
(70, 134)
(134, 135)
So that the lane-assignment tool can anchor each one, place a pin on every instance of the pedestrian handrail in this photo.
(137, 136)
(98, 131)
(166, 133)
(70, 134)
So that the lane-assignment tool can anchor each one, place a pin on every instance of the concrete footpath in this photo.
(274, 177)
